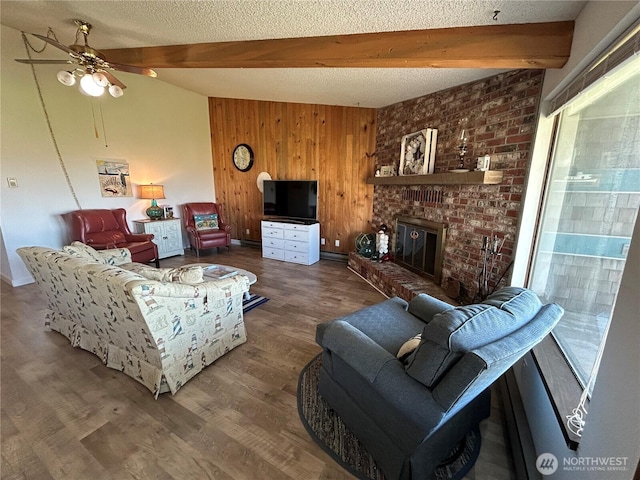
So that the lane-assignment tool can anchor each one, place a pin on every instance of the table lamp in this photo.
(153, 192)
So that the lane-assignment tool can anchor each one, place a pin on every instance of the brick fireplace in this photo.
(499, 115)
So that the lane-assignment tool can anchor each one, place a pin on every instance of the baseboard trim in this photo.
(518, 432)
(249, 243)
(336, 257)
(19, 282)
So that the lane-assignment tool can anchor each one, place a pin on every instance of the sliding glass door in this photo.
(589, 210)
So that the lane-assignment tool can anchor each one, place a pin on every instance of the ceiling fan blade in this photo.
(131, 69)
(56, 44)
(44, 62)
(113, 80)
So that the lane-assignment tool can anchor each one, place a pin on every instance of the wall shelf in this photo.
(492, 177)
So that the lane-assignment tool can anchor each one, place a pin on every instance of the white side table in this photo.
(167, 235)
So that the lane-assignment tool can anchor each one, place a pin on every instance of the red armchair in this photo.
(206, 232)
(103, 229)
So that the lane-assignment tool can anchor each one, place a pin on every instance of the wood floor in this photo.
(67, 416)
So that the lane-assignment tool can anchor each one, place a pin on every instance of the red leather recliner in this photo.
(103, 229)
(200, 239)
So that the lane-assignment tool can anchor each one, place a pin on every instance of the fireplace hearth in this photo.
(419, 246)
(391, 279)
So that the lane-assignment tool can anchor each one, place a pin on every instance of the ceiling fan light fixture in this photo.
(115, 91)
(91, 69)
(100, 79)
(88, 86)
(66, 78)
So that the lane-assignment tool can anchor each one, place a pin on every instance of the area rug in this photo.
(253, 302)
(327, 430)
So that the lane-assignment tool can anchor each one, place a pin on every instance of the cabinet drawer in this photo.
(268, 232)
(273, 243)
(291, 246)
(267, 224)
(296, 257)
(299, 235)
(275, 253)
(296, 226)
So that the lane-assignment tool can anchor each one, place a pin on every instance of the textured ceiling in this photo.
(119, 24)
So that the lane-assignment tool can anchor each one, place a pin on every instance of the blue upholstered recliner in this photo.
(409, 414)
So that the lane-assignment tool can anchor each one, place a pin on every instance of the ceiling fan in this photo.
(91, 65)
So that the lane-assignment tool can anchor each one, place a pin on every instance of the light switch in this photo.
(13, 182)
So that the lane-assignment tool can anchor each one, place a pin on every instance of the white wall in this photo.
(162, 132)
(612, 428)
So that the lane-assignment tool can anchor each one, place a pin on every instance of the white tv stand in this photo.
(291, 241)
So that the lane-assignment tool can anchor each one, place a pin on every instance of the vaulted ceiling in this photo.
(368, 53)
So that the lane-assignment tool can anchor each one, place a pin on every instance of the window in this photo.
(590, 207)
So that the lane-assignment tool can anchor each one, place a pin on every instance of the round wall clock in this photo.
(243, 157)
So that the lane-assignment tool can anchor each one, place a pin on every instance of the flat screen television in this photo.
(290, 199)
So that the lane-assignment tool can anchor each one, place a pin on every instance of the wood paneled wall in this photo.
(292, 141)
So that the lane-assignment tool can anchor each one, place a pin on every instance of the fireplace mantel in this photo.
(491, 177)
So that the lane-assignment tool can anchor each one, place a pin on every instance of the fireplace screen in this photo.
(420, 245)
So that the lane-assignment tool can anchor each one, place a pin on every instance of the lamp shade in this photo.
(100, 79)
(151, 192)
(115, 91)
(66, 78)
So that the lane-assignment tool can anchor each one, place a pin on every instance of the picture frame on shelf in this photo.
(387, 171)
(417, 154)
(168, 211)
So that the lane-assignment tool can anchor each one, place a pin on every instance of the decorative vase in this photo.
(154, 212)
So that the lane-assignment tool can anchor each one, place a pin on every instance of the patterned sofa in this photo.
(159, 326)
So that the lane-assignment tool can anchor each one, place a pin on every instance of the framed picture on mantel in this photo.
(387, 171)
(418, 152)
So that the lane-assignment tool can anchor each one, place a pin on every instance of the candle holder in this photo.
(462, 146)
(462, 151)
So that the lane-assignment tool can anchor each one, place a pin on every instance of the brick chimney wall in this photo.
(499, 115)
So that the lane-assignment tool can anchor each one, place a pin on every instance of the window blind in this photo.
(623, 49)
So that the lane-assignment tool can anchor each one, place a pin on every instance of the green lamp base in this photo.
(154, 212)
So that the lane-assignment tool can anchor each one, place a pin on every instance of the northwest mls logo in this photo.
(547, 464)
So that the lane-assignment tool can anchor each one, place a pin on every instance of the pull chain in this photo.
(104, 129)
(46, 116)
(95, 125)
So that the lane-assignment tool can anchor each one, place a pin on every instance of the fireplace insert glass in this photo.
(419, 246)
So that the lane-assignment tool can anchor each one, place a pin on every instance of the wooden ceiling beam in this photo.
(531, 45)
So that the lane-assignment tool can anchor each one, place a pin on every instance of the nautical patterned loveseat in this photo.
(159, 332)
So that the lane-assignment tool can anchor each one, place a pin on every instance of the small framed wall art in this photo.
(387, 171)
(418, 153)
(114, 178)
